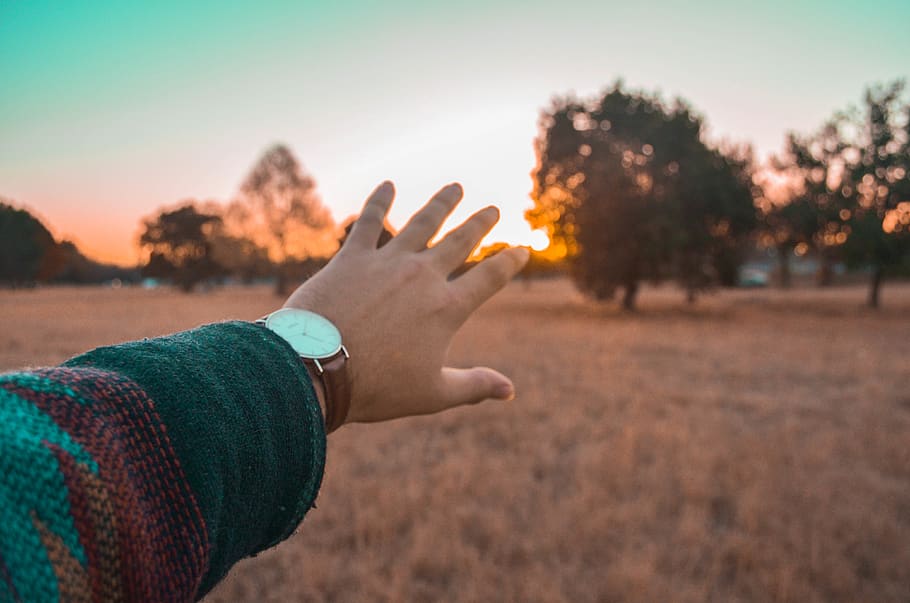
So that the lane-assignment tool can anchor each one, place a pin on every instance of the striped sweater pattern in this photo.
(144, 471)
(75, 442)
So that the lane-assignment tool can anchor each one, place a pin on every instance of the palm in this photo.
(397, 310)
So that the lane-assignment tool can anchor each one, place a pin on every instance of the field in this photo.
(754, 447)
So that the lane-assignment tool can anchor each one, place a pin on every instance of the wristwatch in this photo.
(318, 342)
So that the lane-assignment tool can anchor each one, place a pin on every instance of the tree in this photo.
(238, 256)
(877, 181)
(28, 251)
(279, 209)
(718, 215)
(626, 186)
(809, 215)
(179, 243)
(786, 227)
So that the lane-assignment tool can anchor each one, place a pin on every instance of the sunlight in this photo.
(539, 240)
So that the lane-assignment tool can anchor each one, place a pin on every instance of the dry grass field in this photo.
(754, 447)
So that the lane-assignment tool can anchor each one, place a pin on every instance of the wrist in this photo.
(318, 344)
(319, 388)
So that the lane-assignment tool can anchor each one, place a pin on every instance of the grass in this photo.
(755, 447)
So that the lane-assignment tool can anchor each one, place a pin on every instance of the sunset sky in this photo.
(109, 110)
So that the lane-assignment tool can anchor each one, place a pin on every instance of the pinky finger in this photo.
(480, 283)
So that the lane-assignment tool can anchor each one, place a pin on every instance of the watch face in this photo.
(309, 334)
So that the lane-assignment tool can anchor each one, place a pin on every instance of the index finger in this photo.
(368, 227)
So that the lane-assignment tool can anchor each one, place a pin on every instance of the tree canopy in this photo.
(849, 196)
(179, 243)
(808, 216)
(28, 251)
(279, 209)
(877, 184)
(628, 189)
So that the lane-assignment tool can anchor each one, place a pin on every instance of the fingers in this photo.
(489, 276)
(455, 248)
(425, 223)
(369, 225)
(470, 386)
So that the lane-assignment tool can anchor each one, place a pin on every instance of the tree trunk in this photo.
(825, 271)
(783, 258)
(281, 282)
(628, 298)
(875, 285)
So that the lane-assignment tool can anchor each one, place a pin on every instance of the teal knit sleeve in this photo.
(239, 410)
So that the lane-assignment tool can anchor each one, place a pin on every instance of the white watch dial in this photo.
(310, 334)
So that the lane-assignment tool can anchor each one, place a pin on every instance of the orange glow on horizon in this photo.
(105, 242)
(111, 242)
(107, 252)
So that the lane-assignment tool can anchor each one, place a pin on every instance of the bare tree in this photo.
(279, 209)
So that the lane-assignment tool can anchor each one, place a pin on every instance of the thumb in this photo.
(470, 386)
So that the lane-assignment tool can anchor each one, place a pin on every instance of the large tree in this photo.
(179, 244)
(627, 187)
(280, 210)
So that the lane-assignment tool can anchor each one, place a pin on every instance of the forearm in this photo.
(191, 451)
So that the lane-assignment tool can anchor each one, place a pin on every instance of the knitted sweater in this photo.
(144, 471)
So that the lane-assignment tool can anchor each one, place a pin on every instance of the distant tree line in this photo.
(29, 254)
(276, 227)
(848, 191)
(629, 190)
(627, 186)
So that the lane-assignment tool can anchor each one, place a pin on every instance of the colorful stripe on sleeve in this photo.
(95, 504)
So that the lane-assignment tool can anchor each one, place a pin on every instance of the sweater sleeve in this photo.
(144, 471)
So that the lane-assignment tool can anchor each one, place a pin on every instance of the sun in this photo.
(539, 240)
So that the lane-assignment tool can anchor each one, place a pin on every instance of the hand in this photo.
(397, 312)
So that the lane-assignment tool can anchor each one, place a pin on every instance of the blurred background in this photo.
(711, 342)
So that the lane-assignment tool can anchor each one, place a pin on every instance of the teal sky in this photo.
(109, 110)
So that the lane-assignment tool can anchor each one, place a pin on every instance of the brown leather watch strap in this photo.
(337, 391)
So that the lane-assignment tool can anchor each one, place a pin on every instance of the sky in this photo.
(110, 110)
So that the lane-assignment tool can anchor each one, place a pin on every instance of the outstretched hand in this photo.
(397, 311)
